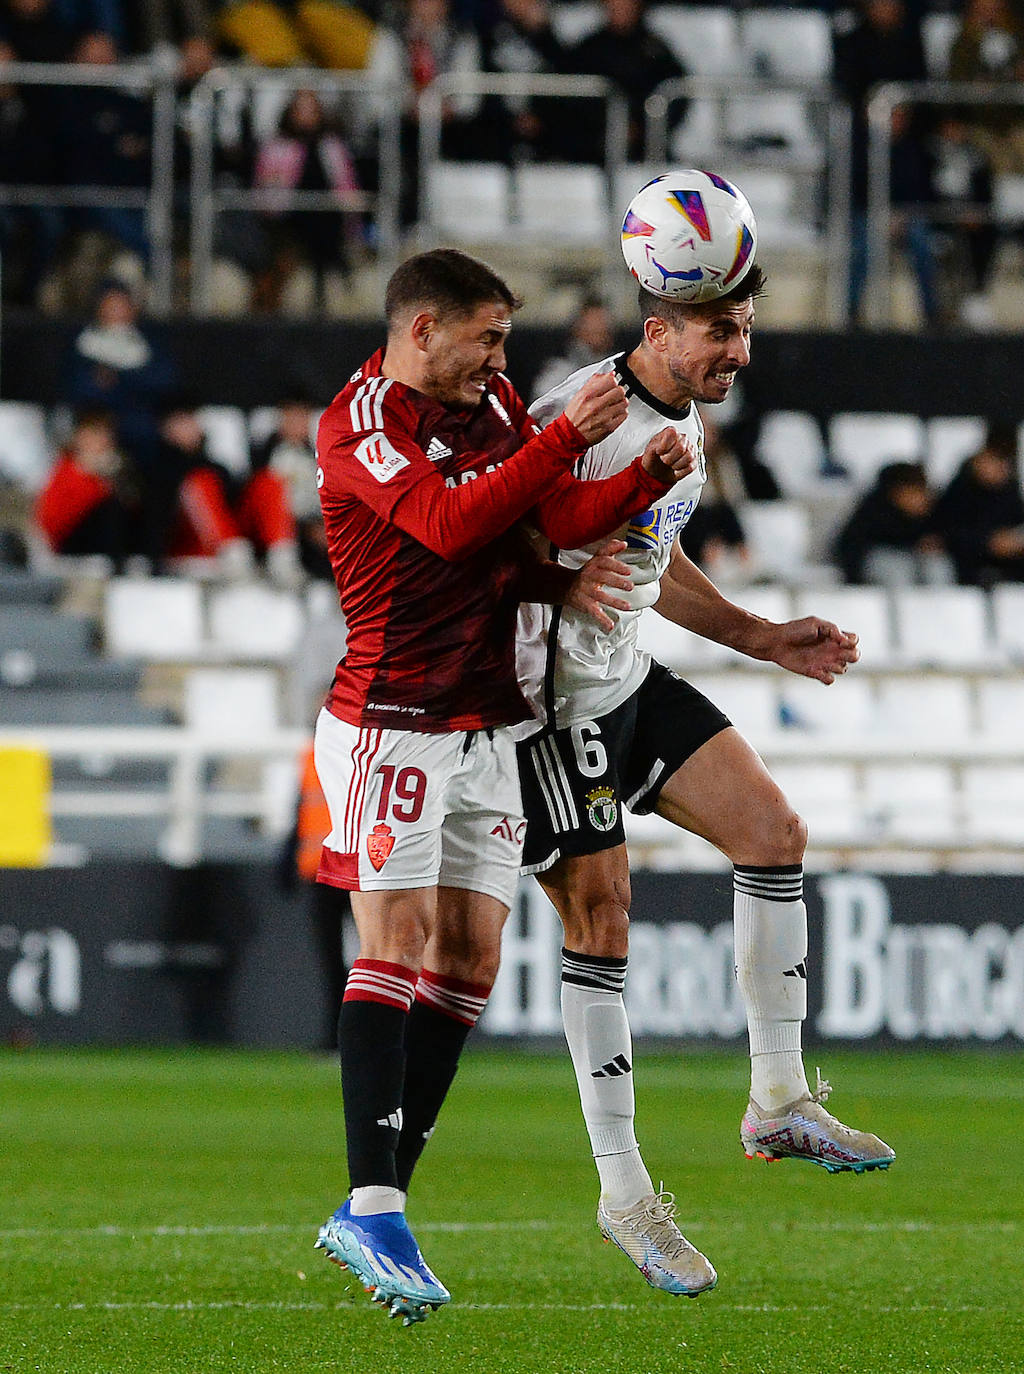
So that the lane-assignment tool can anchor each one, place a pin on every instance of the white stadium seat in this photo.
(949, 439)
(1001, 710)
(778, 534)
(573, 22)
(255, 621)
(235, 702)
(938, 34)
(705, 38)
(942, 626)
(864, 610)
(795, 44)
(863, 443)
(561, 202)
(933, 709)
(227, 436)
(994, 802)
(153, 618)
(841, 713)
(25, 453)
(792, 445)
(677, 648)
(750, 702)
(825, 794)
(1008, 619)
(469, 201)
(911, 802)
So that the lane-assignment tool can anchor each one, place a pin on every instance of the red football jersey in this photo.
(418, 504)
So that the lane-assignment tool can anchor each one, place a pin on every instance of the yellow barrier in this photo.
(25, 833)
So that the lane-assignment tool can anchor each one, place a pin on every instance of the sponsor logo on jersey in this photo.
(657, 528)
(436, 450)
(379, 844)
(499, 408)
(602, 808)
(380, 458)
(642, 530)
(507, 830)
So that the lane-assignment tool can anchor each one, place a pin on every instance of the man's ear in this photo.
(656, 333)
(422, 328)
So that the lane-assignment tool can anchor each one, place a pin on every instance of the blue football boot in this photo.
(382, 1251)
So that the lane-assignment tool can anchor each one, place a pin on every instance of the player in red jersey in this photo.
(427, 461)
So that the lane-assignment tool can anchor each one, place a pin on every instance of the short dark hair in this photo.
(748, 288)
(450, 283)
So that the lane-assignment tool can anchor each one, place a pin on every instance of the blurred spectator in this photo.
(713, 536)
(93, 16)
(194, 508)
(184, 27)
(590, 339)
(30, 235)
(307, 154)
(891, 537)
(83, 507)
(106, 139)
(911, 194)
(981, 513)
(989, 50)
(289, 453)
(425, 43)
(115, 364)
(624, 49)
(963, 184)
(295, 33)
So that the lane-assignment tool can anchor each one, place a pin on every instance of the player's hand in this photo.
(589, 591)
(813, 648)
(669, 456)
(598, 407)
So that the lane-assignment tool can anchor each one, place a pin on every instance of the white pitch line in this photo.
(710, 1304)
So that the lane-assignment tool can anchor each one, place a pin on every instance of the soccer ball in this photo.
(689, 236)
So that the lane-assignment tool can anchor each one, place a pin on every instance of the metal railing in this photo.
(208, 199)
(881, 103)
(833, 173)
(155, 80)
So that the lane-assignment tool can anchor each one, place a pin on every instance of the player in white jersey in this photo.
(614, 728)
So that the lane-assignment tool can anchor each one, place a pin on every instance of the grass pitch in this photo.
(158, 1210)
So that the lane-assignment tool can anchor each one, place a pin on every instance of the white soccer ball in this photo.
(689, 236)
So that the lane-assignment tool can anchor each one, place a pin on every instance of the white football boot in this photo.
(803, 1129)
(647, 1233)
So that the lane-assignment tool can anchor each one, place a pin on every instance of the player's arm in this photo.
(811, 647)
(575, 513)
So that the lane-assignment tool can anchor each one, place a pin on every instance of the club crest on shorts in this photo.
(379, 844)
(602, 808)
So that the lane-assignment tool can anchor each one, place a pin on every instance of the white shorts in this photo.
(416, 810)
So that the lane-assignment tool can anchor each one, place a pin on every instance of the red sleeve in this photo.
(386, 470)
(574, 513)
(458, 521)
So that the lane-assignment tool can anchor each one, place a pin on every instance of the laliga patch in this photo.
(379, 844)
(602, 808)
(380, 458)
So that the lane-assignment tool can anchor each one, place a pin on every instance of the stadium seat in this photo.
(705, 38)
(938, 34)
(841, 713)
(794, 44)
(792, 445)
(25, 453)
(925, 707)
(774, 121)
(993, 797)
(864, 610)
(826, 795)
(1008, 619)
(43, 635)
(468, 201)
(1008, 198)
(677, 648)
(940, 627)
(573, 22)
(231, 702)
(253, 621)
(153, 618)
(227, 436)
(750, 702)
(949, 439)
(911, 803)
(773, 192)
(864, 443)
(778, 535)
(561, 202)
(1000, 703)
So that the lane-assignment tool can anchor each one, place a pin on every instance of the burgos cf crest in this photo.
(643, 530)
(602, 808)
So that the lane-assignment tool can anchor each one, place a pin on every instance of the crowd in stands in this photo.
(943, 165)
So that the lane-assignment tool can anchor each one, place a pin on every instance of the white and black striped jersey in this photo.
(565, 662)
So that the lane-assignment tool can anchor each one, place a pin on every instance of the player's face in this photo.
(704, 355)
(464, 353)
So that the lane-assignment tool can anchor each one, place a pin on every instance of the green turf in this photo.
(157, 1213)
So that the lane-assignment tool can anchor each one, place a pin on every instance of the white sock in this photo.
(597, 1032)
(376, 1198)
(771, 970)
